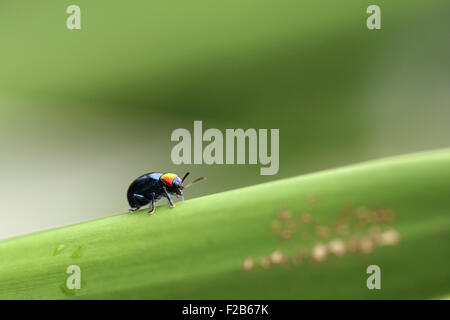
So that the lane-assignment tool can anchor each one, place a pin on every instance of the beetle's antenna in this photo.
(185, 176)
(195, 181)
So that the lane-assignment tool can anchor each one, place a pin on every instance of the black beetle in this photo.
(152, 186)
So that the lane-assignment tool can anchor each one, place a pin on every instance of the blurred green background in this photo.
(84, 112)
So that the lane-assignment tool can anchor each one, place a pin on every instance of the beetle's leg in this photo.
(168, 197)
(136, 198)
(152, 204)
(152, 207)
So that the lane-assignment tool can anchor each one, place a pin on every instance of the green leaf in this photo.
(311, 236)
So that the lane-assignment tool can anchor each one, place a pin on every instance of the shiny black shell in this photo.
(146, 185)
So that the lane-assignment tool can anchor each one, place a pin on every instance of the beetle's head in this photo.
(173, 183)
(177, 184)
